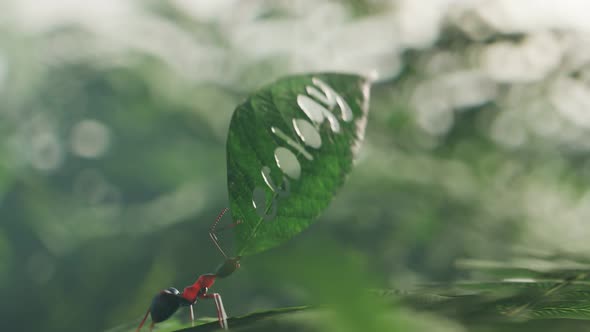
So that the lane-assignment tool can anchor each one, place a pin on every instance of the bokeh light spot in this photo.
(90, 139)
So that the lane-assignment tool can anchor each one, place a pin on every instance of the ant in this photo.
(167, 302)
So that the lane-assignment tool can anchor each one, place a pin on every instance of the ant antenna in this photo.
(212, 232)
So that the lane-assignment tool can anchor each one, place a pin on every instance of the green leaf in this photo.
(563, 309)
(522, 288)
(289, 148)
(529, 268)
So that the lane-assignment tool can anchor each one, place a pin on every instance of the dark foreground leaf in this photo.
(289, 149)
(253, 321)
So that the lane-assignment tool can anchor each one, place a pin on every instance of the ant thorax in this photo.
(193, 291)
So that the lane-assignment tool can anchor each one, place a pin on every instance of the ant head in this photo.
(165, 304)
(228, 267)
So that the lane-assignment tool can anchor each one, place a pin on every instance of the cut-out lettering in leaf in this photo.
(289, 149)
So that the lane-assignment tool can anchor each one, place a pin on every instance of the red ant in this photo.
(167, 302)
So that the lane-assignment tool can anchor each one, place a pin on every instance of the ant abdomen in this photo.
(165, 304)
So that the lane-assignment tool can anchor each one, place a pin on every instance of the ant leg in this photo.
(221, 315)
(143, 321)
(213, 231)
(220, 311)
(232, 225)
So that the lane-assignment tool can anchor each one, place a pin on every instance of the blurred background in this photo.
(113, 122)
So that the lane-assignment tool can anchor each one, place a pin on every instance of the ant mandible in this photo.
(167, 302)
